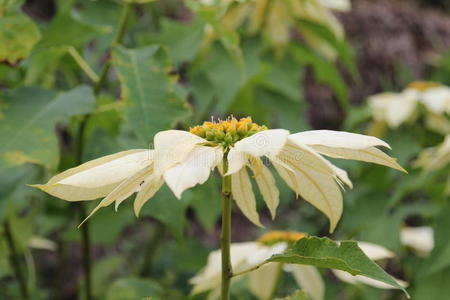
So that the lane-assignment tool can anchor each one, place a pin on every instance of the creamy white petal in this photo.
(437, 99)
(267, 185)
(309, 280)
(347, 145)
(151, 185)
(296, 152)
(287, 174)
(264, 143)
(263, 281)
(374, 251)
(265, 252)
(342, 176)
(97, 178)
(371, 154)
(319, 189)
(340, 5)
(337, 139)
(420, 239)
(394, 108)
(241, 189)
(194, 170)
(349, 278)
(210, 277)
(172, 147)
(123, 190)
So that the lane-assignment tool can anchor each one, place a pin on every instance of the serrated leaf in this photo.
(18, 35)
(297, 295)
(325, 253)
(151, 103)
(27, 126)
(181, 39)
(324, 71)
(133, 288)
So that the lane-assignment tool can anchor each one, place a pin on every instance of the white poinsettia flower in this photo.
(263, 280)
(437, 99)
(184, 159)
(393, 108)
(434, 158)
(374, 252)
(420, 239)
(338, 5)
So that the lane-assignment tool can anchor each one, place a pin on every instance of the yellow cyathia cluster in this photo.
(227, 132)
(277, 236)
(423, 85)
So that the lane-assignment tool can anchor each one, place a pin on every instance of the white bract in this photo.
(398, 108)
(419, 239)
(184, 159)
(263, 281)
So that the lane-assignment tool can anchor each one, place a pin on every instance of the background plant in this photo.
(68, 63)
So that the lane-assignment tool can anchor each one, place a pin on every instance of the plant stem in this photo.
(85, 233)
(158, 234)
(115, 42)
(225, 236)
(82, 63)
(250, 269)
(86, 250)
(15, 260)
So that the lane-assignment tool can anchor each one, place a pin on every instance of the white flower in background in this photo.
(398, 108)
(183, 159)
(263, 281)
(419, 239)
(276, 19)
(437, 99)
(434, 158)
(393, 108)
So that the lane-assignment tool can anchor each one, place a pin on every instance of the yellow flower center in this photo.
(423, 85)
(227, 132)
(277, 236)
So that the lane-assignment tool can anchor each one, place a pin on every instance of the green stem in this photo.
(86, 250)
(115, 42)
(225, 236)
(158, 234)
(15, 261)
(82, 63)
(250, 269)
(85, 233)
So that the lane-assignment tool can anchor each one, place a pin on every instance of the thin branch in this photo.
(83, 64)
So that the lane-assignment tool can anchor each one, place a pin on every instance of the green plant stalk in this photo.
(15, 261)
(115, 42)
(82, 63)
(158, 235)
(85, 232)
(225, 236)
(86, 251)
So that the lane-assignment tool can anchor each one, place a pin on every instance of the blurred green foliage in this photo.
(167, 72)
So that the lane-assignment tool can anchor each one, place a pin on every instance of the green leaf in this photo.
(64, 30)
(297, 295)
(27, 126)
(181, 39)
(324, 71)
(151, 103)
(18, 35)
(205, 200)
(325, 253)
(167, 209)
(133, 288)
(325, 33)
